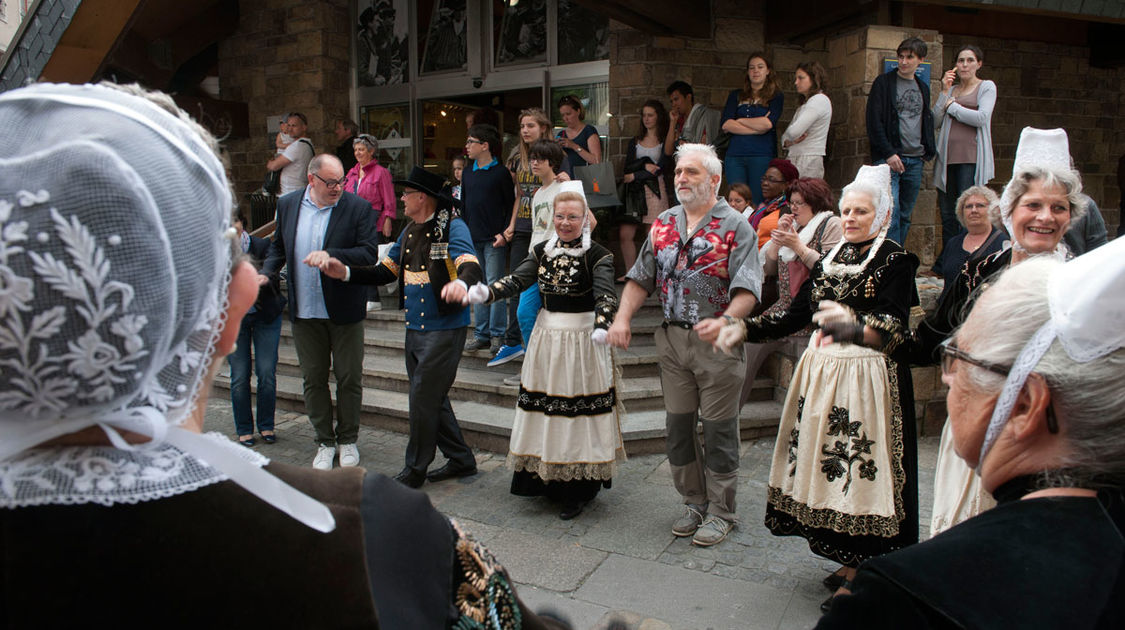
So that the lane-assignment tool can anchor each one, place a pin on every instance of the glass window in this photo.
(445, 38)
(583, 34)
(522, 34)
(382, 51)
(595, 100)
(390, 124)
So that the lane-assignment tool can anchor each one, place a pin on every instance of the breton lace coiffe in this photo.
(1086, 297)
(113, 277)
(1040, 148)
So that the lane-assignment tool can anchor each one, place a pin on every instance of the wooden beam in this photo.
(657, 17)
(93, 32)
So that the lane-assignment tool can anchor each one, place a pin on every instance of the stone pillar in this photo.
(855, 58)
(287, 55)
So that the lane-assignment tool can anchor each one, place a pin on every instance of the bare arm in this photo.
(278, 162)
(632, 296)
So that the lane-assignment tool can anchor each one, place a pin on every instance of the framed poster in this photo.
(446, 44)
(382, 51)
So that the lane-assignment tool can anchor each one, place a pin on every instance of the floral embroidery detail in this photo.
(793, 436)
(839, 461)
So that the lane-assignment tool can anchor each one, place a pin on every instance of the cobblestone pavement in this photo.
(619, 558)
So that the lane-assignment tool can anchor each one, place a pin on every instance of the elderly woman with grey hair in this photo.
(1037, 409)
(121, 292)
(1037, 206)
(372, 181)
(844, 467)
(981, 238)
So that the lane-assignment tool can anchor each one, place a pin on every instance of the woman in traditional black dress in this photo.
(566, 437)
(844, 467)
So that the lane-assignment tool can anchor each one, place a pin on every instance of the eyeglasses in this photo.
(950, 353)
(331, 183)
(407, 193)
(473, 141)
(772, 181)
(799, 203)
(535, 160)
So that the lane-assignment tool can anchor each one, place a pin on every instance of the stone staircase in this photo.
(485, 406)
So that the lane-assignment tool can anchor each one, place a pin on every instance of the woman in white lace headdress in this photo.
(1037, 206)
(844, 467)
(116, 278)
(566, 436)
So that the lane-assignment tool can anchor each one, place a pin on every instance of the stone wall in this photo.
(1050, 85)
(287, 55)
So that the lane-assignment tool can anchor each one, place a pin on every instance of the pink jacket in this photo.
(376, 187)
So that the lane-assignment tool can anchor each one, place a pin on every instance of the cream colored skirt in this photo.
(568, 415)
(837, 463)
(958, 494)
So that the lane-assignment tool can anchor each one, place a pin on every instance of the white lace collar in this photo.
(108, 476)
(833, 268)
(553, 250)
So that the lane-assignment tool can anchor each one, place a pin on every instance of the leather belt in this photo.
(684, 325)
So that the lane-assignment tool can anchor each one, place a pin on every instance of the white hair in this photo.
(1087, 397)
(1021, 180)
(706, 154)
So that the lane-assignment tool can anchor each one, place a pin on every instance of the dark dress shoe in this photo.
(834, 581)
(247, 443)
(410, 479)
(571, 510)
(449, 471)
(269, 439)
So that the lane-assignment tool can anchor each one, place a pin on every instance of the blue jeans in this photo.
(904, 192)
(958, 179)
(530, 303)
(748, 170)
(264, 337)
(490, 318)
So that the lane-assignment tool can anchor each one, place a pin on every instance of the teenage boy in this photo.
(487, 196)
(900, 129)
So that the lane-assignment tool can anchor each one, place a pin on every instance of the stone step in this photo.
(488, 426)
(486, 385)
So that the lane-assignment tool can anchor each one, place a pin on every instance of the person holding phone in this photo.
(964, 145)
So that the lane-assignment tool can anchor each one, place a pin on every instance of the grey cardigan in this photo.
(981, 118)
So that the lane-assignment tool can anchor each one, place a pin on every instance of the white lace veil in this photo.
(113, 277)
(1086, 297)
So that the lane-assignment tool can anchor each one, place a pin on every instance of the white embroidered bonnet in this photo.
(113, 273)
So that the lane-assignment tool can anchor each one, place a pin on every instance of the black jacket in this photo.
(882, 119)
(270, 300)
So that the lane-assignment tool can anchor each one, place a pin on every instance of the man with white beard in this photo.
(703, 257)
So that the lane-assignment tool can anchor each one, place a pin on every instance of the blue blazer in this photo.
(350, 237)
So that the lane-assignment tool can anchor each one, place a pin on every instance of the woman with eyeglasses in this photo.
(844, 467)
(979, 239)
(775, 186)
(1037, 409)
(1037, 206)
(372, 181)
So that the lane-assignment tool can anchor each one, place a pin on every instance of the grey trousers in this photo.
(431, 364)
(322, 345)
(704, 386)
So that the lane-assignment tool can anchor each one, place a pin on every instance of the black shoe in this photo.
(410, 479)
(826, 605)
(571, 510)
(269, 439)
(247, 443)
(449, 471)
(834, 581)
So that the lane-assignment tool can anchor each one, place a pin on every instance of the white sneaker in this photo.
(349, 455)
(374, 306)
(513, 380)
(324, 455)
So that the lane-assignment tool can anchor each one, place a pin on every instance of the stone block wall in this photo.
(1051, 85)
(855, 58)
(287, 55)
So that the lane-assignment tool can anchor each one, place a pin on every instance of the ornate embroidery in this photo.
(793, 435)
(568, 406)
(484, 596)
(839, 461)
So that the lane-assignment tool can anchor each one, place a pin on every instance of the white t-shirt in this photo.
(543, 213)
(295, 175)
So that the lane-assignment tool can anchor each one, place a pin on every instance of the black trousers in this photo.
(431, 364)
